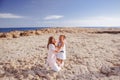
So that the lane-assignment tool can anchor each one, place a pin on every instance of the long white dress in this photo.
(51, 59)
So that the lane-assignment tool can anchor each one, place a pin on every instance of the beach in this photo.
(92, 54)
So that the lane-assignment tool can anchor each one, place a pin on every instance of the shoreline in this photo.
(17, 33)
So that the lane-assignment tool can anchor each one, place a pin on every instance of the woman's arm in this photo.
(53, 48)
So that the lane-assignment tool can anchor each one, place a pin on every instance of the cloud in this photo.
(51, 17)
(9, 15)
(96, 21)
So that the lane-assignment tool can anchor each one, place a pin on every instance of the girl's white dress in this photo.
(62, 53)
(51, 59)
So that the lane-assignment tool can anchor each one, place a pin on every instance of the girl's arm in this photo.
(59, 47)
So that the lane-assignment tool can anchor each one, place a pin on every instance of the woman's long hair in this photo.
(50, 41)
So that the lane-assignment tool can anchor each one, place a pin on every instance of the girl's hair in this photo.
(63, 36)
(50, 41)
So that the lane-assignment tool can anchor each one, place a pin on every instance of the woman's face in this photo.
(53, 40)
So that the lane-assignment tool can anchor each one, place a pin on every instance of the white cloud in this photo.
(9, 15)
(51, 17)
(96, 21)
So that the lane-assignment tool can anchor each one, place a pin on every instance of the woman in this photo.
(51, 59)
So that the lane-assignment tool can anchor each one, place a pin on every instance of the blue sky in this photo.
(48, 13)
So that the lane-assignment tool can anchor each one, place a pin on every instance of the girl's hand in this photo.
(56, 51)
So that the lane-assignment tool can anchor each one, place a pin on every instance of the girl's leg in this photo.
(62, 64)
(61, 61)
(58, 61)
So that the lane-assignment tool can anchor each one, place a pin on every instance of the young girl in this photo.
(61, 55)
(51, 59)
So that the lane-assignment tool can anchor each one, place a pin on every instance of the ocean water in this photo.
(19, 29)
(35, 28)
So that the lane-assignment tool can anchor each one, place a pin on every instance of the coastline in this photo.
(17, 33)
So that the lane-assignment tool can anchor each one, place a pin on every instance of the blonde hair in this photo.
(63, 36)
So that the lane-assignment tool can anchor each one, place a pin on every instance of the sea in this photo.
(20, 29)
(36, 28)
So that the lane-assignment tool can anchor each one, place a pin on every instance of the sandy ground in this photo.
(90, 56)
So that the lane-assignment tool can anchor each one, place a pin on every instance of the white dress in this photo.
(62, 53)
(51, 59)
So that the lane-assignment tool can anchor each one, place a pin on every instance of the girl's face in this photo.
(61, 38)
(53, 40)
